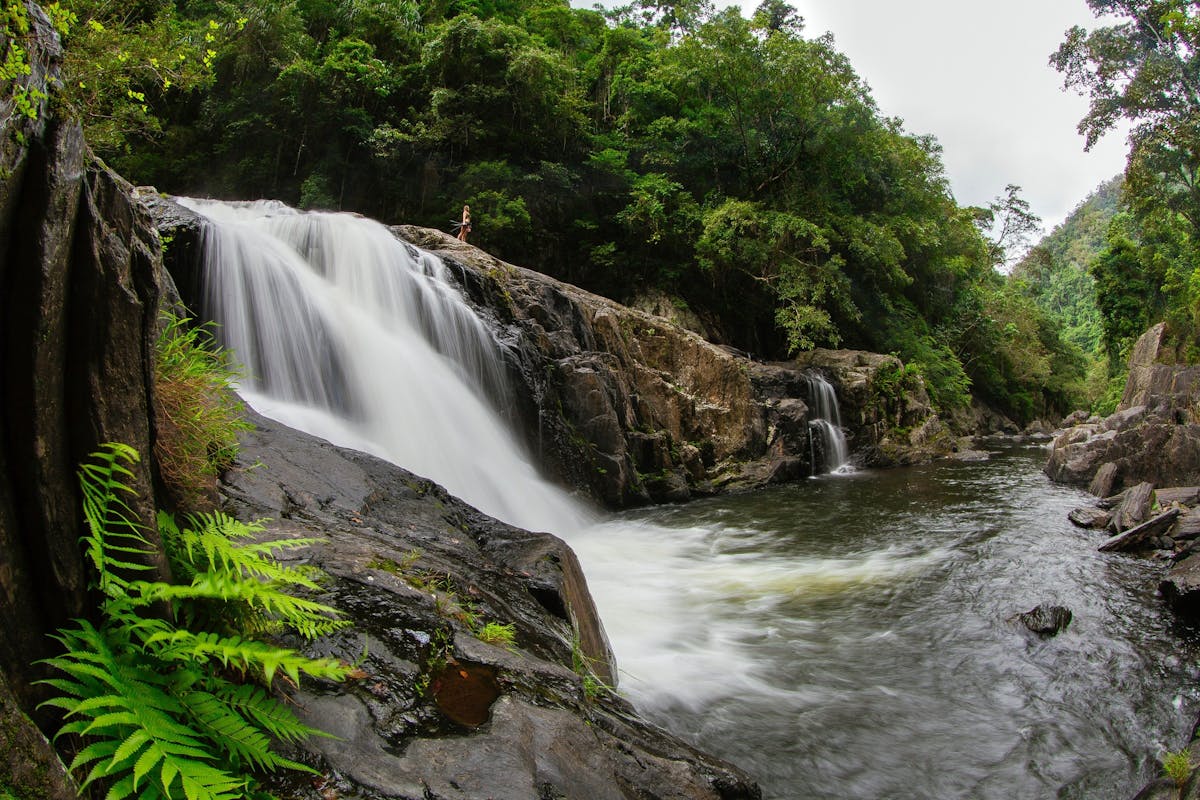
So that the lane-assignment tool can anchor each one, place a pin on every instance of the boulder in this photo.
(1134, 508)
(438, 712)
(1181, 586)
(1181, 495)
(1104, 480)
(1153, 436)
(79, 305)
(1187, 526)
(1046, 620)
(1092, 518)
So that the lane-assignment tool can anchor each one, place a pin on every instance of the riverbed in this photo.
(854, 636)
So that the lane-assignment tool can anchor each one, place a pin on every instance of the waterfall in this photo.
(825, 427)
(348, 334)
(345, 332)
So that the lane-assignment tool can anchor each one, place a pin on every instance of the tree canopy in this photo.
(736, 164)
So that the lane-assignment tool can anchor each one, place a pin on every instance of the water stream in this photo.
(844, 637)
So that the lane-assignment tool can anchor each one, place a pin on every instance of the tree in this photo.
(1010, 226)
(1146, 69)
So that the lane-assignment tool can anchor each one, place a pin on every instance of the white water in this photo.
(826, 425)
(349, 335)
(811, 648)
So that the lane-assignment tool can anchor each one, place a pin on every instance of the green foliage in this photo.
(158, 704)
(197, 414)
(593, 687)
(1141, 67)
(497, 633)
(1177, 765)
(734, 163)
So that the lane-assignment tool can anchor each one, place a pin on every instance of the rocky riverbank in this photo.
(441, 708)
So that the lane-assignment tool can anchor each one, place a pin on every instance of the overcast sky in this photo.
(976, 75)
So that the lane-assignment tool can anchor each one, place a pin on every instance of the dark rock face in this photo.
(1046, 620)
(79, 292)
(439, 712)
(1154, 435)
(635, 409)
(887, 428)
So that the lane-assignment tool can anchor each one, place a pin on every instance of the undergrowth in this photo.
(197, 414)
(179, 705)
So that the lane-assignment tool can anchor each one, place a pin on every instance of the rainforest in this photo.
(702, 266)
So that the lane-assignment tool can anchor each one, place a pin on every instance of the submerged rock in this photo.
(1046, 620)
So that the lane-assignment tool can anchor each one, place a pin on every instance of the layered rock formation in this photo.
(1154, 436)
(635, 409)
(79, 293)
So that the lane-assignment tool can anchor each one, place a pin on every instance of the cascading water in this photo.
(348, 334)
(825, 427)
(844, 639)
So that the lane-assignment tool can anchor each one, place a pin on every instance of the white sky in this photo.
(976, 75)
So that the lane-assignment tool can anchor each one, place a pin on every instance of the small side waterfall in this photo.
(827, 440)
(347, 333)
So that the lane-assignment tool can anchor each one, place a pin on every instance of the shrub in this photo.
(197, 415)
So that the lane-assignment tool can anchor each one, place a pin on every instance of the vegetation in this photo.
(166, 706)
(736, 164)
(1177, 766)
(1142, 69)
(197, 415)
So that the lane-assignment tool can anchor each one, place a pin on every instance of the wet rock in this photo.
(1092, 518)
(1046, 620)
(79, 303)
(1181, 586)
(438, 711)
(1134, 537)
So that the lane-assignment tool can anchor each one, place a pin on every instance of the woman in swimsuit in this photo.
(464, 227)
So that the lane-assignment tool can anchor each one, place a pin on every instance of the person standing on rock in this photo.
(464, 227)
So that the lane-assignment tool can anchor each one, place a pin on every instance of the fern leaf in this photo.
(110, 520)
(253, 702)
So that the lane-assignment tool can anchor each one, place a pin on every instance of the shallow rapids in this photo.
(849, 636)
(854, 636)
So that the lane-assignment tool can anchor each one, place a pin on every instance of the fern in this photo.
(156, 702)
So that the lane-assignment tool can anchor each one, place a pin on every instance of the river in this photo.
(848, 636)
(853, 636)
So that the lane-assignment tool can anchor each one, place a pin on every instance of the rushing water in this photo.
(853, 636)
(849, 636)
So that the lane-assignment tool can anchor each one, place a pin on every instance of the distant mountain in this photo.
(1056, 269)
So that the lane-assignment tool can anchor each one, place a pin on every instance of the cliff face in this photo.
(79, 292)
(1153, 437)
(636, 409)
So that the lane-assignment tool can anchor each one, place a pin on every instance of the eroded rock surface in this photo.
(1154, 436)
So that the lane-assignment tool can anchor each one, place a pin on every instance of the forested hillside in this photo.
(737, 165)
(1057, 272)
(1141, 67)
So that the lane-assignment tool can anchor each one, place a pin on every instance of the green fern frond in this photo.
(157, 717)
(206, 555)
(245, 655)
(255, 703)
(113, 527)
